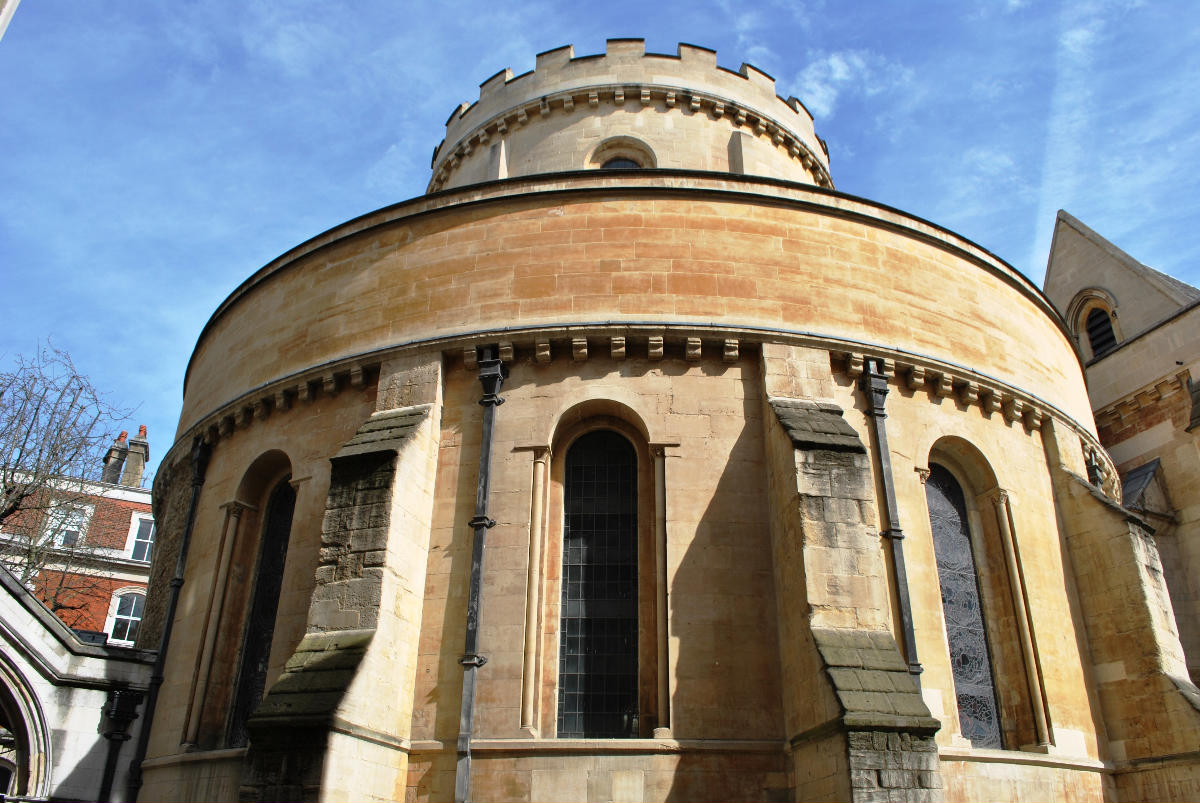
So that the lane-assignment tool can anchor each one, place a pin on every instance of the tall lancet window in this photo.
(260, 625)
(598, 637)
(970, 659)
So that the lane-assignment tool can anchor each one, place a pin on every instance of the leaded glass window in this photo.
(260, 626)
(970, 659)
(598, 661)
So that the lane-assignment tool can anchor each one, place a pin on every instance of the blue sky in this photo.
(152, 155)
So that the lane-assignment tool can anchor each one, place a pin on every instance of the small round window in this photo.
(620, 163)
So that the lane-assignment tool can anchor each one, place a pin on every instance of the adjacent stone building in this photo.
(1139, 333)
(635, 462)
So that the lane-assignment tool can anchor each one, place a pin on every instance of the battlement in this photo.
(626, 76)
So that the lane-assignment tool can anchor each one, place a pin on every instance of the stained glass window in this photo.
(598, 661)
(970, 660)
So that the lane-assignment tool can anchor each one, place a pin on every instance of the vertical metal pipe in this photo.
(1024, 626)
(533, 597)
(875, 388)
(491, 376)
(201, 451)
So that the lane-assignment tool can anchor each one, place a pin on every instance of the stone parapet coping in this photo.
(593, 746)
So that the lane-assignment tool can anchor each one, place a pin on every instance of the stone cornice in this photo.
(618, 340)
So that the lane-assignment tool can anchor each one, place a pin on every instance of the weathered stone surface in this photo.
(816, 425)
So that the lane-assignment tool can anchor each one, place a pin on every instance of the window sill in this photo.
(1039, 759)
(560, 746)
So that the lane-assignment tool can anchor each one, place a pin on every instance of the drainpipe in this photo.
(491, 376)
(874, 386)
(200, 454)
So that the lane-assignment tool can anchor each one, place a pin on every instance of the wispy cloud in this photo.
(833, 76)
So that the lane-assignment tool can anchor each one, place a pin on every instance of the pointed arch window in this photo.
(260, 624)
(598, 643)
(970, 658)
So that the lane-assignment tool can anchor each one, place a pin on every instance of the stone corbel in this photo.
(945, 386)
(854, 365)
(654, 347)
(542, 351)
(730, 353)
(692, 349)
(969, 393)
(1013, 408)
(616, 348)
(579, 349)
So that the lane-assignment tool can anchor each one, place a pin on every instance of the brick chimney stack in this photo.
(114, 460)
(135, 463)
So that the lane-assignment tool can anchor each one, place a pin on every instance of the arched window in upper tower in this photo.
(1093, 319)
(1101, 336)
(621, 152)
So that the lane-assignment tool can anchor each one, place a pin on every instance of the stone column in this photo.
(212, 621)
(533, 596)
(1016, 583)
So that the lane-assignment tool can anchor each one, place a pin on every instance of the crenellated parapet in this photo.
(683, 111)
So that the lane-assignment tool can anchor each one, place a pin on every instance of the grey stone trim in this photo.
(872, 682)
(816, 425)
(385, 431)
(314, 680)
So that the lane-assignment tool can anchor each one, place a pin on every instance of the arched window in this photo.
(598, 637)
(970, 658)
(619, 163)
(260, 624)
(621, 152)
(1100, 332)
(125, 616)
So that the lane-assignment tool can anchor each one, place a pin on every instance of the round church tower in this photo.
(770, 495)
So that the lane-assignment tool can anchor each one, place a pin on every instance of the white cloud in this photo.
(847, 73)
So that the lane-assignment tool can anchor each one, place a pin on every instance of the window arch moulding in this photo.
(542, 676)
(615, 151)
(958, 463)
(1088, 328)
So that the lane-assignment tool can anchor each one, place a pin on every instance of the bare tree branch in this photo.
(54, 429)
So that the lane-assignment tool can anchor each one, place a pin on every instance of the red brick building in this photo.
(86, 553)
